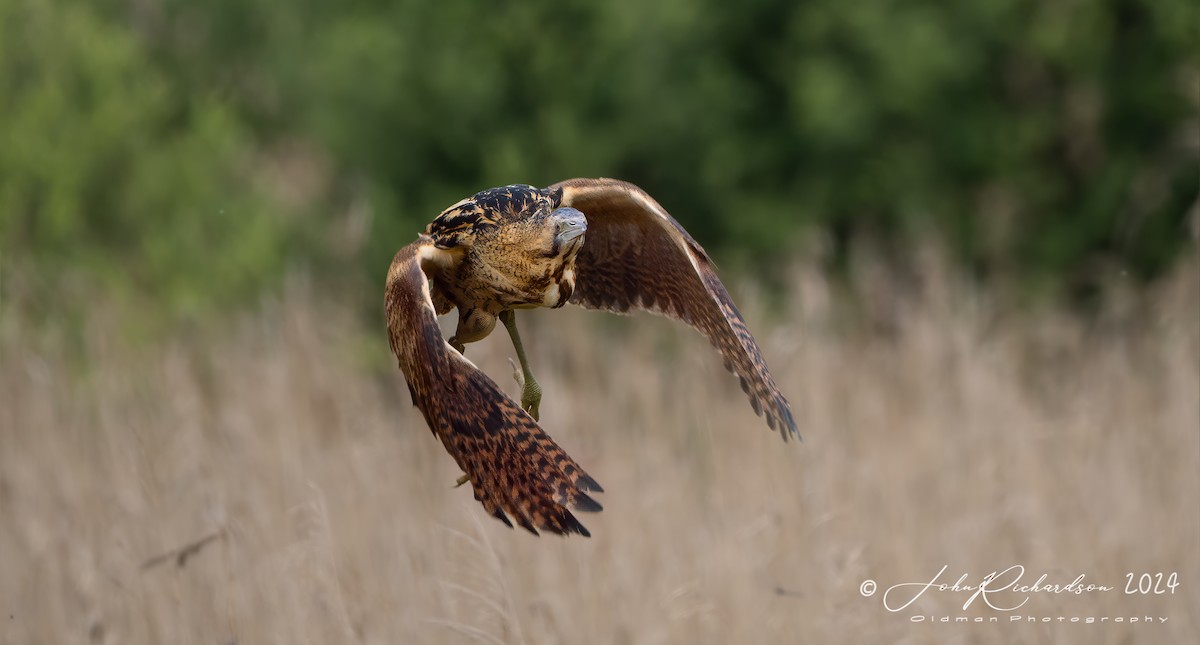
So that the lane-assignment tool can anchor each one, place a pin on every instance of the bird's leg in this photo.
(531, 392)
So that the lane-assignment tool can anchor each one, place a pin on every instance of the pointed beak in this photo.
(570, 224)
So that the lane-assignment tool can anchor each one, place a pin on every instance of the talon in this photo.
(531, 398)
(462, 480)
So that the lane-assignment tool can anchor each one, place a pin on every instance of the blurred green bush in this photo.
(117, 182)
(1046, 144)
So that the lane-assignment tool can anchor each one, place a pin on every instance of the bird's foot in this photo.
(531, 403)
(531, 398)
(531, 392)
(462, 480)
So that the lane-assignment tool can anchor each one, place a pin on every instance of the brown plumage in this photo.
(520, 247)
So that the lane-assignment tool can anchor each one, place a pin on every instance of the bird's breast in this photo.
(560, 290)
(496, 285)
(552, 296)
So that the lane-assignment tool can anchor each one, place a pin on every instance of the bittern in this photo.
(600, 243)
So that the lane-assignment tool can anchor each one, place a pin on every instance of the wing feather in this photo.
(516, 470)
(636, 256)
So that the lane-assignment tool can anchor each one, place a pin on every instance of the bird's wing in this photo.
(514, 467)
(635, 255)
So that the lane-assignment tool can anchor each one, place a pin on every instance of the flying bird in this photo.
(599, 243)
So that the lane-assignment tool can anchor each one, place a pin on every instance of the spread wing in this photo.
(635, 255)
(514, 467)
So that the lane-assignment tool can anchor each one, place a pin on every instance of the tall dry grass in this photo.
(963, 437)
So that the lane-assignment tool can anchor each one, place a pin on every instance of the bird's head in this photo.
(569, 225)
(562, 232)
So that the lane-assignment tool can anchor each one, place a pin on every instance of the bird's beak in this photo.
(570, 224)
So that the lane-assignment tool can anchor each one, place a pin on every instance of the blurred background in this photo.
(964, 234)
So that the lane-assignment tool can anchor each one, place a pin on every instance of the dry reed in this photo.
(963, 437)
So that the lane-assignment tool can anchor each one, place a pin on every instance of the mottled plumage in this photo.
(514, 467)
(520, 247)
(636, 256)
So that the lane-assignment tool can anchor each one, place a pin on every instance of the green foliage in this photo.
(1039, 141)
(114, 182)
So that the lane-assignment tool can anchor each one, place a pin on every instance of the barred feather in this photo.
(638, 257)
(515, 468)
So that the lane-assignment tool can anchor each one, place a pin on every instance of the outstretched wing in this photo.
(635, 255)
(514, 467)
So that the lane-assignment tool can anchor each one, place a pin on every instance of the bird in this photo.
(603, 244)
